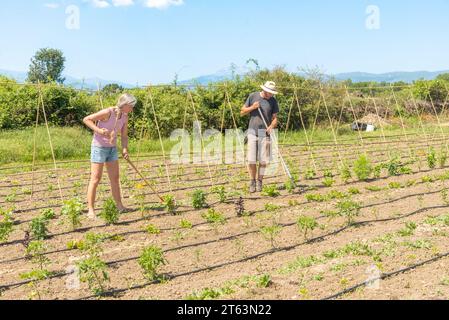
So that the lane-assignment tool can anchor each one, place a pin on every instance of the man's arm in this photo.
(274, 123)
(245, 110)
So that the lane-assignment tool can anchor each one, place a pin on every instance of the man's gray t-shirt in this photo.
(268, 108)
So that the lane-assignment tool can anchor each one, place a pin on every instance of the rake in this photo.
(284, 165)
(145, 180)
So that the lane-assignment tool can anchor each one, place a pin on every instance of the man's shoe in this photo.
(252, 186)
(259, 186)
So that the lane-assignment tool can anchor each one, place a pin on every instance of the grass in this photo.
(16, 146)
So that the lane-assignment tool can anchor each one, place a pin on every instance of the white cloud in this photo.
(100, 3)
(162, 4)
(51, 5)
(122, 3)
(153, 4)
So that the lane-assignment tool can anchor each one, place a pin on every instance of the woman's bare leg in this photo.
(95, 177)
(114, 177)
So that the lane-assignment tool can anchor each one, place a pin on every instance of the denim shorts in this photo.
(103, 154)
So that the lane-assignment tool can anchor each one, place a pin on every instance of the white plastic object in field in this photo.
(370, 128)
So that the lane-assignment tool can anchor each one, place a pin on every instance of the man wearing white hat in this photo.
(258, 105)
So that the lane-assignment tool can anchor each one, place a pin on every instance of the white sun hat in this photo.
(270, 87)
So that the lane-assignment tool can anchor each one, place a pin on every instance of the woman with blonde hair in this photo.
(107, 124)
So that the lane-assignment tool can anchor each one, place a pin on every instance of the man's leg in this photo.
(252, 160)
(264, 159)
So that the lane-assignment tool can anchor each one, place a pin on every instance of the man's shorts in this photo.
(103, 154)
(259, 149)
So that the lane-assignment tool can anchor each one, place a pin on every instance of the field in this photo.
(350, 221)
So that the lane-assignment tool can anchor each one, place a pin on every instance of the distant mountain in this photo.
(389, 77)
(227, 74)
(222, 75)
(16, 75)
(354, 76)
(88, 83)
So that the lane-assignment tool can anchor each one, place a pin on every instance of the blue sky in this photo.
(151, 40)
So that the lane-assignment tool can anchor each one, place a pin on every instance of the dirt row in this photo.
(240, 239)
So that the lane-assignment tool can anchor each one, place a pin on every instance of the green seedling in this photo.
(150, 260)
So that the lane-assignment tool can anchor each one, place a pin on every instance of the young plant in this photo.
(377, 170)
(185, 224)
(48, 214)
(310, 174)
(150, 260)
(110, 213)
(431, 158)
(214, 217)
(220, 191)
(270, 233)
(289, 186)
(328, 173)
(263, 281)
(38, 228)
(152, 229)
(353, 191)
(444, 196)
(409, 229)
(93, 271)
(72, 210)
(240, 207)
(199, 199)
(362, 168)
(394, 167)
(169, 203)
(311, 197)
(306, 224)
(35, 277)
(270, 207)
(442, 159)
(271, 191)
(328, 182)
(348, 209)
(36, 252)
(6, 224)
(345, 173)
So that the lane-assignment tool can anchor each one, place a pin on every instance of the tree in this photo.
(111, 89)
(47, 66)
(443, 76)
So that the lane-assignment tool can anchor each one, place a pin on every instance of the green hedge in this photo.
(67, 107)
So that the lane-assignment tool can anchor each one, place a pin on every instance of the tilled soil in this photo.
(221, 257)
